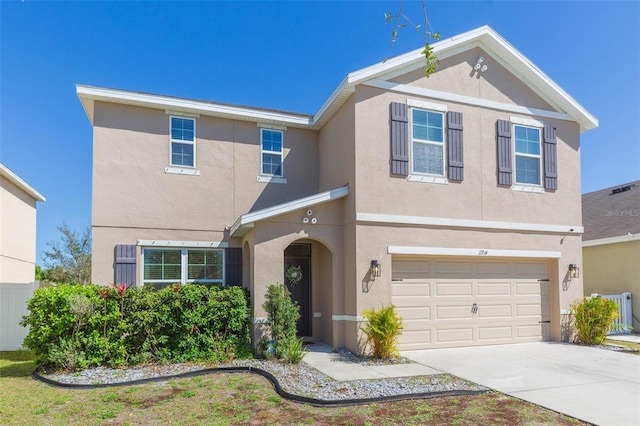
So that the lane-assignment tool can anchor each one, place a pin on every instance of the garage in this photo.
(452, 302)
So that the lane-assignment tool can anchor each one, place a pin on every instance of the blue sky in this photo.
(284, 55)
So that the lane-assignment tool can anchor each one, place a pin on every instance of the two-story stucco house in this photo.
(455, 197)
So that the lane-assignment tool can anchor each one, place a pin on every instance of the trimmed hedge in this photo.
(73, 326)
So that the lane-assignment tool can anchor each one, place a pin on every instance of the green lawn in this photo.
(229, 399)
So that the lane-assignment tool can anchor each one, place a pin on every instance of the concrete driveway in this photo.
(591, 384)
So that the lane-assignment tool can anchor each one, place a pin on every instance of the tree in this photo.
(69, 259)
(400, 20)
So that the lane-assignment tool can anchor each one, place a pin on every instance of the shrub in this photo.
(382, 330)
(282, 317)
(593, 318)
(74, 326)
(292, 350)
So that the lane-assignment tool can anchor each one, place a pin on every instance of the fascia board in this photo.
(20, 183)
(205, 108)
(611, 240)
(247, 220)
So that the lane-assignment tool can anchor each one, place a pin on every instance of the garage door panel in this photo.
(492, 333)
(455, 335)
(456, 312)
(492, 289)
(494, 311)
(416, 288)
(419, 312)
(524, 288)
(436, 302)
(454, 289)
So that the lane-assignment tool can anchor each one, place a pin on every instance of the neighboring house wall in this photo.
(614, 269)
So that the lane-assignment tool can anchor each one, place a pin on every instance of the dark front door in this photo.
(300, 255)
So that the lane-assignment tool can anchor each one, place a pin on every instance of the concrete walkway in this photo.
(591, 384)
(633, 338)
(323, 358)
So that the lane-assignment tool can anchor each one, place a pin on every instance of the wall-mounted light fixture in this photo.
(478, 66)
(574, 271)
(376, 269)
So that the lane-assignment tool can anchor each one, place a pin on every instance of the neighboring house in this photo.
(455, 197)
(17, 254)
(611, 242)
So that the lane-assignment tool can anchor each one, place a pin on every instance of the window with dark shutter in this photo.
(455, 146)
(233, 266)
(399, 139)
(550, 158)
(125, 264)
(505, 170)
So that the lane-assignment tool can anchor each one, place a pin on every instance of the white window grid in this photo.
(279, 153)
(524, 154)
(442, 144)
(184, 267)
(181, 141)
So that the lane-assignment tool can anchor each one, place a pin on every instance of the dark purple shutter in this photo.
(233, 266)
(505, 169)
(550, 158)
(399, 139)
(125, 264)
(454, 139)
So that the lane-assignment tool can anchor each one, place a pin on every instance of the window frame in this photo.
(264, 151)
(182, 141)
(443, 144)
(184, 266)
(516, 154)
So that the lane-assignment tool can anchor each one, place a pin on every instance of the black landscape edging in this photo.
(276, 385)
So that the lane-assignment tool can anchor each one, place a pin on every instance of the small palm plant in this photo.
(382, 330)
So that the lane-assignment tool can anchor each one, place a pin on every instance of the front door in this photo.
(300, 255)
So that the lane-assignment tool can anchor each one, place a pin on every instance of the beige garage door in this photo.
(450, 302)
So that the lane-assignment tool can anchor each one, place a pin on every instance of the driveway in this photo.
(591, 384)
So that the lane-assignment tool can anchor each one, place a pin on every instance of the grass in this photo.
(238, 398)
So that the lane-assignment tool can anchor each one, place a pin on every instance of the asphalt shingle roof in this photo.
(611, 212)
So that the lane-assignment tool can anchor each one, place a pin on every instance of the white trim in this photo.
(417, 103)
(181, 141)
(247, 220)
(260, 320)
(466, 223)
(357, 318)
(612, 240)
(271, 126)
(467, 100)
(526, 121)
(527, 188)
(428, 179)
(271, 179)
(185, 244)
(477, 252)
(317, 314)
(182, 114)
(6, 173)
(182, 171)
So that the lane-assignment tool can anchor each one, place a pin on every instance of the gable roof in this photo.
(247, 220)
(21, 184)
(612, 212)
(484, 37)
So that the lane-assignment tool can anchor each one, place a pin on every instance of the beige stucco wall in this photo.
(614, 269)
(17, 234)
(133, 197)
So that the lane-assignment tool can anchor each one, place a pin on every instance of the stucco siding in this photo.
(17, 234)
(614, 269)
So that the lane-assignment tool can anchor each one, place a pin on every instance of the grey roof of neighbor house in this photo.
(611, 212)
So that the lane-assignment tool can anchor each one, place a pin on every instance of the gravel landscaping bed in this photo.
(301, 379)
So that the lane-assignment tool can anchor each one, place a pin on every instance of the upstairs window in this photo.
(527, 155)
(183, 141)
(271, 147)
(427, 147)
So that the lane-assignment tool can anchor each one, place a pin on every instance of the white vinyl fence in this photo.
(624, 323)
(13, 305)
